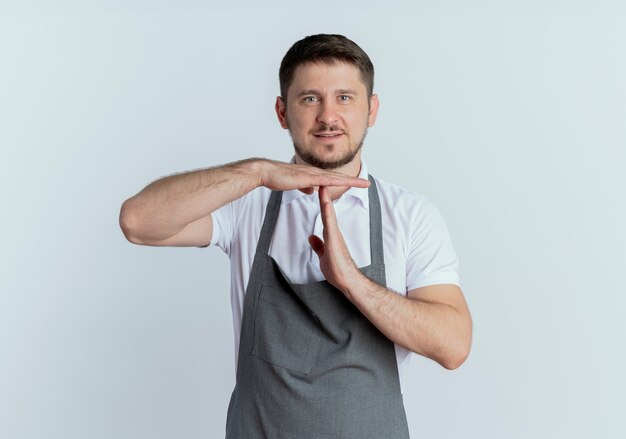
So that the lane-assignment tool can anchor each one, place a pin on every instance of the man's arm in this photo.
(433, 321)
(176, 210)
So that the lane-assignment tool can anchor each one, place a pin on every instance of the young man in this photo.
(337, 277)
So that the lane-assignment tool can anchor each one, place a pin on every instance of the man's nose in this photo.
(327, 113)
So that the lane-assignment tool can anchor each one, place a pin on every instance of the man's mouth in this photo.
(330, 136)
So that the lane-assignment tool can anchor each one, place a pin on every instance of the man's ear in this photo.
(281, 112)
(373, 111)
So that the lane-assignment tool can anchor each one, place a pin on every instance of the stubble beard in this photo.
(310, 158)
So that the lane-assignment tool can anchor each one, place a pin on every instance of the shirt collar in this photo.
(361, 194)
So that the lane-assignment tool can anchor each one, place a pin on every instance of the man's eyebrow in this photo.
(339, 91)
(309, 92)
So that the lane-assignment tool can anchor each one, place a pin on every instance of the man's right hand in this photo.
(176, 210)
(280, 176)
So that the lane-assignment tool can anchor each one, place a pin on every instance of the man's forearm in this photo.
(167, 205)
(440, 330)
(434, 330)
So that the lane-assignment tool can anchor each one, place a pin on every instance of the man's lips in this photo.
(327, 135)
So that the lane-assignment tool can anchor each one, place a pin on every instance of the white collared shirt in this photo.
(416, 243)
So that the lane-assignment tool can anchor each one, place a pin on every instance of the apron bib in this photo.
(310, 365)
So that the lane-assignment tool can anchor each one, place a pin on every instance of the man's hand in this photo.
(281, 176)
(336, 263)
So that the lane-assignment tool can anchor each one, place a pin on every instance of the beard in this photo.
(310, 158)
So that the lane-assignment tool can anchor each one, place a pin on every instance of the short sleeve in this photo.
(431, 259)
(223, 227)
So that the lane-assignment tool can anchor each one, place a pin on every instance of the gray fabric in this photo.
(310, 364)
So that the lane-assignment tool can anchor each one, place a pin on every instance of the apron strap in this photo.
(377, 254)
(269, 223)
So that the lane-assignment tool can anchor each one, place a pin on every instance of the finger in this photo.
(317, 244)
(328, 212)
(343, 180)
(307, 190)
(316, 177)
(324, 195)
(339, 180)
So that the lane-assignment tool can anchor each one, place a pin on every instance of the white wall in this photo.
(509, 117)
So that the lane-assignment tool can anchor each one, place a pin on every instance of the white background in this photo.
(510, 117)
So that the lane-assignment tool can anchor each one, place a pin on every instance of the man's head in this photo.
(326, 99)
(328, 49)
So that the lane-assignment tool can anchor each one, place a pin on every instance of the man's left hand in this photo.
(336, 263)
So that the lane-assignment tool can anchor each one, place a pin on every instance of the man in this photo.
(336, 276)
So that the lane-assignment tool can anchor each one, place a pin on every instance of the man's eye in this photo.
(310, 99)
(344, 98)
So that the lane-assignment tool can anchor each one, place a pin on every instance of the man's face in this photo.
(327, 113)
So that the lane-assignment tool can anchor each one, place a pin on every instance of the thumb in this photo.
(317, 244)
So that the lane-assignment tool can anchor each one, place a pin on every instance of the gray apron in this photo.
(310, 364)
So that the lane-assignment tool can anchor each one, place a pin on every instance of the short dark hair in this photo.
(329, 49)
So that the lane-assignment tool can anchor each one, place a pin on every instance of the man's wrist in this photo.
(358, 285)
(253, 170)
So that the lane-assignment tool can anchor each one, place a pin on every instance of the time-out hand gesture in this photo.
(335, 261)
